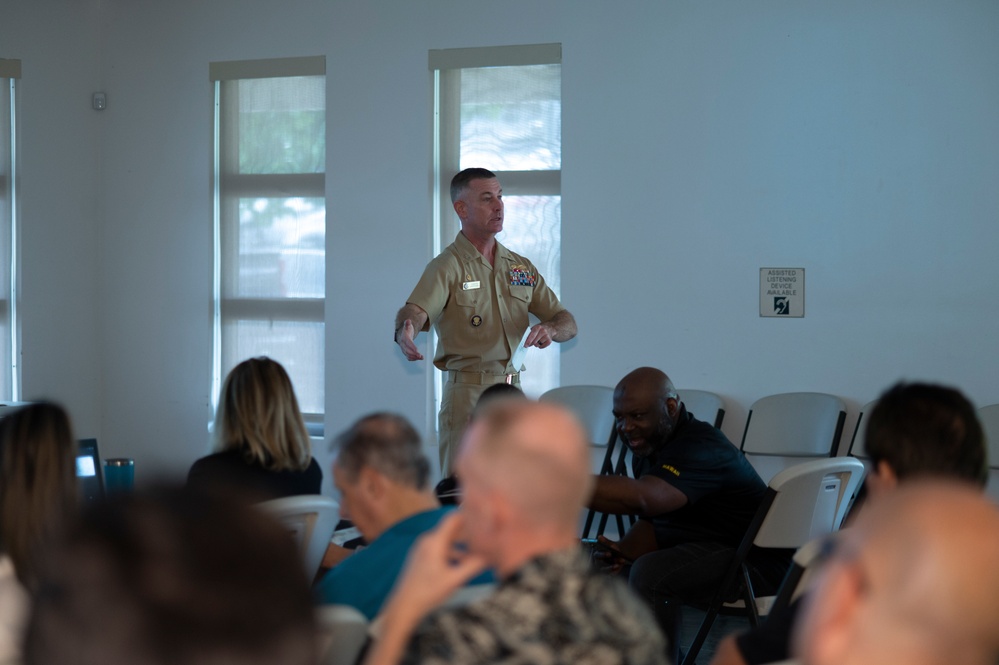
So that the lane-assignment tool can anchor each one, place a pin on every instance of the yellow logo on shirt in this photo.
(671, 469)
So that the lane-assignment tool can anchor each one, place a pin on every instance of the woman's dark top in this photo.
(229, 471)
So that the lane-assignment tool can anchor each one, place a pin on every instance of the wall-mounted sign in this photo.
(782, 292)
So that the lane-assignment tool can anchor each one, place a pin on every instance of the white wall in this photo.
(59, 196)
(701, 141)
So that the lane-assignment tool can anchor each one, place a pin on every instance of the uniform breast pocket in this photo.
(522, 293)
(466, 298)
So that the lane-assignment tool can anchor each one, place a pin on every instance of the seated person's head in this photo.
(38, 488)
(525, 469)
(646, 407)
(913, 581)
(258, 414)
(495, 392)
(919, 430)
(448, 490)
(173, 576)
(380, 469)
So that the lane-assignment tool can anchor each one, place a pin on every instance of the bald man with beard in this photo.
(695, 495)
(525, 470)
(915, 582)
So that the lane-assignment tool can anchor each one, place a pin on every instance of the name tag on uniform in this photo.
(468, 286)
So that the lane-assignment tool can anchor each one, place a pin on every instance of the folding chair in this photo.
(782, 429)
(593, 406)
(704, 405)
(801, 503)
(803, 565)
(343, 634)
(989, 417)
(857, 447)
(311, 519)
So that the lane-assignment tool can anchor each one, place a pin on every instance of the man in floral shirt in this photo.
(526, 475)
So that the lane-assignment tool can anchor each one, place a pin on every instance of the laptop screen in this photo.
(88, 471)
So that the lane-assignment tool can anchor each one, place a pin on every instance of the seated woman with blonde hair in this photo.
(262, 446)
(38, 494)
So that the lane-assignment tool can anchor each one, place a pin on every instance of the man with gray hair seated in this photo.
(383, 479)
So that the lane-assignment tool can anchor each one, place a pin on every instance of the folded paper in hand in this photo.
(519, 353)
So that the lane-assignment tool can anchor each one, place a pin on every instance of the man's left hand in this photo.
(541, 336)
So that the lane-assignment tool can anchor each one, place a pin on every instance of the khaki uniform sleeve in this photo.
(433, 290)
(544, 303)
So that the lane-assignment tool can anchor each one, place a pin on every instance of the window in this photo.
(270, 220)
(501, 109)
(10, 71)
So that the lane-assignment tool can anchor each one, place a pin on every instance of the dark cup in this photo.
(119, 475)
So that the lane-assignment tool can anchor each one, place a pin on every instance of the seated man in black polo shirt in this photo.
(695, 494)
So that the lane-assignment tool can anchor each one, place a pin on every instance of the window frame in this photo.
(271, 185)
(445, 66)
(10, 375)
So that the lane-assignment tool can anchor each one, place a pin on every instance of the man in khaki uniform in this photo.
(478, 294)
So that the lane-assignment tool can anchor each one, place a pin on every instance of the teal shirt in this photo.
(365, 579)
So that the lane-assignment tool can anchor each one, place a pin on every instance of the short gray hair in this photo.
(386, 442)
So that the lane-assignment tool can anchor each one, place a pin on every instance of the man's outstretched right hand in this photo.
(405, 339)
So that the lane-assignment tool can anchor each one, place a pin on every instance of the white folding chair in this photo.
(989, 417)
(343, 633)
(799, 575)
(311, 519)
(857, 444)
(704, 405)
(593, 406)
(783, 429)
(802, 502)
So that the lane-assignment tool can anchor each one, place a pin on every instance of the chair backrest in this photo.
(311, 519)
(704, 405)
(781, 429)
(343, 632)
(593, 406)
(989, 417)
(809, 500)
(857, 443)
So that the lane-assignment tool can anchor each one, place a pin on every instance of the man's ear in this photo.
(672, 407)
(882, 478)
(827, 630)
(371, 483)
(501, 512)
(460, 208)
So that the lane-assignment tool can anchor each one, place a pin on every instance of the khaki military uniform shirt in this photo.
(481, 311)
